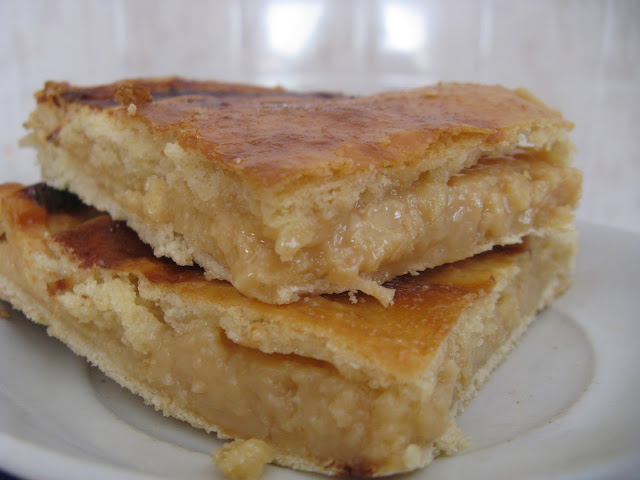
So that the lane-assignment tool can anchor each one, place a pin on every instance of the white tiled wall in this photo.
(582, 56)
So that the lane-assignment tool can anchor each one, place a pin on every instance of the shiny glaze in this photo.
(271, 135)
(105, 243)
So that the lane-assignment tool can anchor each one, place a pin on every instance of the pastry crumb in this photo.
(243, 459)
(352, 297)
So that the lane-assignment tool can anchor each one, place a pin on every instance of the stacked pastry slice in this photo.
(335, 276)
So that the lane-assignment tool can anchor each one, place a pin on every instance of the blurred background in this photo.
(581, 56)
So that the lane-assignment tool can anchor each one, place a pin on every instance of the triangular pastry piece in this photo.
(286, 194)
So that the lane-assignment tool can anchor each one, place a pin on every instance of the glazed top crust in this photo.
(270, 135)
(399, 340)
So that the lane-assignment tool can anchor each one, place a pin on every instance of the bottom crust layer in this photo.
(336, 384)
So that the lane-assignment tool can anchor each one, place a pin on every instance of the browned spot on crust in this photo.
(146, 90)
(32, 215)
(105, 243)
(412, 285)
(136, 94)
(357, 469)
(52, 200)
(41, 205)
(61, 285)
(166, 272)
(54, 137)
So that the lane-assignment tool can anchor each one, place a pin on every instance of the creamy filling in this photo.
(427, 224)
(435, 222)
(300, 405)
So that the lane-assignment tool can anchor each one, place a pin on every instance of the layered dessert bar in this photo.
(288, 194)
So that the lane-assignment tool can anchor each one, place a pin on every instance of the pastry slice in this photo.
(285, 194)
(336, 383)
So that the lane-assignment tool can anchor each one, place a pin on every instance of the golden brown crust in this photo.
(104, 96)
(273, 135)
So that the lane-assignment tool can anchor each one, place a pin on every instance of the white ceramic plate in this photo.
(566, 404)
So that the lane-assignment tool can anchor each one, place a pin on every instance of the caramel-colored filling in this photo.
(431, 222)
